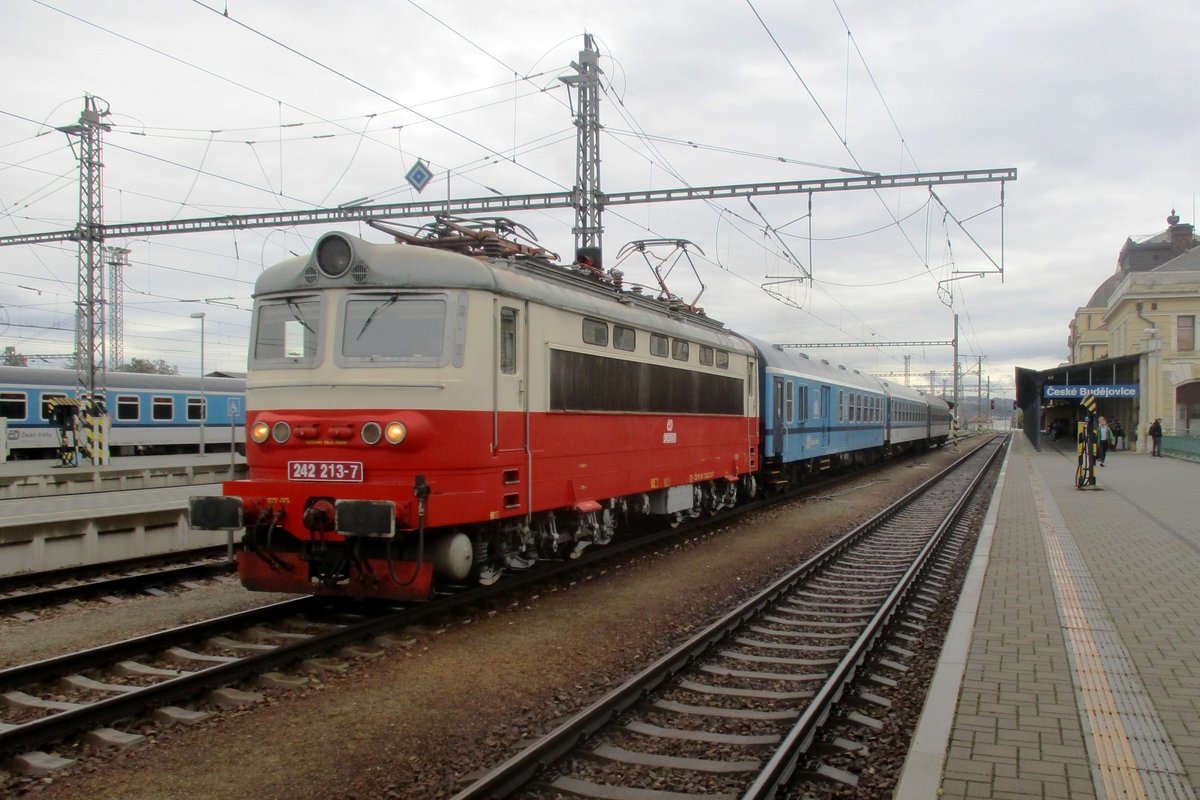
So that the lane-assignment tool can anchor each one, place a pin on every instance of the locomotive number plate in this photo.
(345, 471)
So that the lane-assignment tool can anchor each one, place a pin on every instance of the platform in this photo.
(1072, 669)
(42, 478)
(50, 466)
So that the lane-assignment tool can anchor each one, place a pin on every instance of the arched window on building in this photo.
(1187, 408)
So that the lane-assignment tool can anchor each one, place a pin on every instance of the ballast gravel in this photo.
(448, 700)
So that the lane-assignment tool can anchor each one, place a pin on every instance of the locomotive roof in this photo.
(405, 266)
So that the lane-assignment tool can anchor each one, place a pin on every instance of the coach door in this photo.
(827, 410)
(510, 400)
(777, 417)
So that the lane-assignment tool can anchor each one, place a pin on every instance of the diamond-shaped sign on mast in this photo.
(419, 175)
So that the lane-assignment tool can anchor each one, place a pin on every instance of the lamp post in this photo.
(203, 400)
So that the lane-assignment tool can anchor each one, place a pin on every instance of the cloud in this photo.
(210, 118)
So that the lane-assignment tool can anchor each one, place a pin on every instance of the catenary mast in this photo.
(589, 202)
(89, 305)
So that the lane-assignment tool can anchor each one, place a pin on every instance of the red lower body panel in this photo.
(287, 572)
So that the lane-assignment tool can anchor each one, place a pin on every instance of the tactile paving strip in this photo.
(1131, 755)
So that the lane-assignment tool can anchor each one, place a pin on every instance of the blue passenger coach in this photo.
(818, 416)
(148, 413)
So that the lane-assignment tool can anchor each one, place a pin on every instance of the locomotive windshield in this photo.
(394, 327)
(286, 331)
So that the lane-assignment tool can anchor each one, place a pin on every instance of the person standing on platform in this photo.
(1103, 437)
(1155, 434)
(1118, 433)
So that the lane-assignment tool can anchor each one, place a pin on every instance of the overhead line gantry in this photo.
(519, 202)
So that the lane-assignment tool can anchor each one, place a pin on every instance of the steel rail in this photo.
(778, 770)
(34, 734)
(19, 597)
(39, 732)
(521, 768)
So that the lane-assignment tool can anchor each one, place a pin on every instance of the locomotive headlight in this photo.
(260, 431)
(396, 432)
(334, 256)
(371, 433)
(281, 431)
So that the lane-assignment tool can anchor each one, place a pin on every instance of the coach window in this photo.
(196, 408)
(508, 341)
(841, 406)
(659, 345)
(595, 332)
(706, 356)
(162, 409)
(46, 400)
(801, 402)
(13, 405)
(679, 350)
(791, 402)
(722, 359)
(624, 338)
(129, 407)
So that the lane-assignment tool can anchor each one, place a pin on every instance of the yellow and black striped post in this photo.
(93, 438)
(1085, 471)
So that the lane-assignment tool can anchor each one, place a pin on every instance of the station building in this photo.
(1134, 346)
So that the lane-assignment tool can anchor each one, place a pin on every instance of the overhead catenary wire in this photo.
(346, 131)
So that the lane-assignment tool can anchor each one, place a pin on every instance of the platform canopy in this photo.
(1067, 381)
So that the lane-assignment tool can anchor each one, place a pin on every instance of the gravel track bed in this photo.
(465, 692)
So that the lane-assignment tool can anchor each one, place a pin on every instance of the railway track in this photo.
(53, 701)
(736, 710)
(47, 702)
(38, 590)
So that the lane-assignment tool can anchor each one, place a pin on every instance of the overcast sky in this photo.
(297, 104)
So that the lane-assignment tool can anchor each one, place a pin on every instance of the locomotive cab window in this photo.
(197, 408)
(394, 327)
(659, 345)
(13, 405)
(679, 350)
(285, 331)
(162, 409)
(706, 356)
(722, 359)
(129, 407)
(595, 332)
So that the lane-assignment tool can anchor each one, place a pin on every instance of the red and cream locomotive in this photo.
(454, 404)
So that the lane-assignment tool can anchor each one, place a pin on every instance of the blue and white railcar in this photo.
(915, 418)
(148, 413)
(816, 415)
